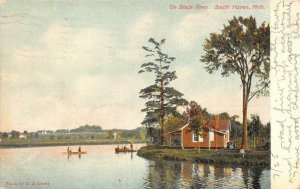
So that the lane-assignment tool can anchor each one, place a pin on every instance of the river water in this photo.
(48, 167)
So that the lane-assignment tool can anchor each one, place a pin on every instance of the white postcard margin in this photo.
(285, 106)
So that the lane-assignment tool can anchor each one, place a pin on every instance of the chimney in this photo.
(217, 121)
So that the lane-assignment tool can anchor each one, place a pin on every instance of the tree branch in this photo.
(266, 85)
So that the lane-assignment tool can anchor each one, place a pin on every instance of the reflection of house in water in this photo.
(219, 172)
(235, 177)
(206, 170)
(212, 173)
(186, 173)
(203, 176)
(200, 170)
(162, 174)
(228, 171)
(192, 175)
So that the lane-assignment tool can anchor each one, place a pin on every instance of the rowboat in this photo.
(119, 150)
(70, 153)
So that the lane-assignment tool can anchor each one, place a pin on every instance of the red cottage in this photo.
(215, 135)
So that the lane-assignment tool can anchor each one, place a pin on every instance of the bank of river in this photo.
(220, 156)
(25, 143)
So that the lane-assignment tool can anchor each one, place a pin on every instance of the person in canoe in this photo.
(69, 150)
(131, 146)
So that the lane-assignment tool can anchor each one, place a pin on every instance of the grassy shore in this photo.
(23, 143)
(220, 156)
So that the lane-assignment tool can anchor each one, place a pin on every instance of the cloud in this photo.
(191, 27)
(62, 35)
(74, 76)
(138, 34)
(67, 80)
(85, 45)
(217, 94)
(103, 100)
(142, 29)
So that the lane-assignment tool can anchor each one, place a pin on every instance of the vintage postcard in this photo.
(149, 94)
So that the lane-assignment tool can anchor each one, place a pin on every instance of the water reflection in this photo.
(102, 167)
(72, 155)
(164, 174)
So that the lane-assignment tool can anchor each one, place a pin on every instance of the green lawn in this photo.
(220, 156)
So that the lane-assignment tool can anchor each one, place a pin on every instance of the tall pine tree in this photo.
(162, 100)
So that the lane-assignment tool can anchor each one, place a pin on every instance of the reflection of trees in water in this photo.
(196, 179)
(252, 175)
(256, 173)
(186, 173)
(245, 175)
(165, 174)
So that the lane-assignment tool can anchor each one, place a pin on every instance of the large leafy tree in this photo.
(267, 131)
(255, 127)
(242, 48)
(236, 129)
(162, 100)
(199, 117)
(174, 123)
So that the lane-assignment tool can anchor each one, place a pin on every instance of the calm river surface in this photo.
(48, 167)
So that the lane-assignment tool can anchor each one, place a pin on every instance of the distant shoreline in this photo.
(220, 156)
(28, 144)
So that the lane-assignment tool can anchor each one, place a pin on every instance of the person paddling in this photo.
(79, 149)
(131, 146)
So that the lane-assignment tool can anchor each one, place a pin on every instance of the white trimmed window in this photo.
(211, 136)
(197, 137)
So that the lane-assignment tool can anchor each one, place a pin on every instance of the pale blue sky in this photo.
(69, 63)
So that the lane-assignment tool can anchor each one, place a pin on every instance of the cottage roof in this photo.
(177, 131)
(223, 125)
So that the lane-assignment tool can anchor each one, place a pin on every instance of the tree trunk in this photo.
(235, 140)
(161, 132)
(254, 142)
(245, 129)
(162, 114)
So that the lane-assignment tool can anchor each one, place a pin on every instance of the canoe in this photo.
(70, 153)
(118, 150)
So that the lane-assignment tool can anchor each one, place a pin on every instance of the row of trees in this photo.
(138, 133)
(13, 134)
(82, 129)
(242, 48)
